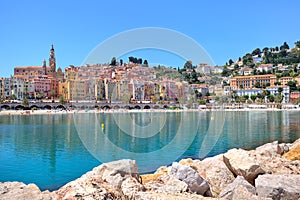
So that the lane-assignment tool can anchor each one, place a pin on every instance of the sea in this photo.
(51, 150)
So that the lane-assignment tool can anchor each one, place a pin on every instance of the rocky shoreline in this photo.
(271, 171)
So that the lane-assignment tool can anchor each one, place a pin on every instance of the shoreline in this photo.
(51, 112)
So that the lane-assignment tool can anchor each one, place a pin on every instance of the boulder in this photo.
(272, 148)
(275, 163)
(230, 189)
(167, 184)
(150, 195)
(21, 191)
(114, 180)
(150, 177)
(130, 186)
(117, 171)
(240, 163)
(294, 153)
(215, 172)
(87, 188)
(191, 177)
(242, 193)
(278, 186)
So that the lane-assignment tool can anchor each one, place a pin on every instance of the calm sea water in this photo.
(51, 150)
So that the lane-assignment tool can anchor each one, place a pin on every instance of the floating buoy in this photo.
(102, 125)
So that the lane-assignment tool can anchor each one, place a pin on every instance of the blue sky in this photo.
(225, 29)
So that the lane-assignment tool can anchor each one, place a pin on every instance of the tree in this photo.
(13, 97)
(255, 52)
(271, 98)
(278, 98)
(121, 62)
(257, 84)
(297, 44)
(113, 61)
(230, 62)
(25, 102)
(140, 61)
(280, 90)
(292, 85)
(284, 46)
(188, 65)
(62, 100)
(253, 97)
(145, 63)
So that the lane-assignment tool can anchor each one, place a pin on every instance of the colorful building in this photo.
(248, 82)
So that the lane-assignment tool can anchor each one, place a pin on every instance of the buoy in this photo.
(102, 125)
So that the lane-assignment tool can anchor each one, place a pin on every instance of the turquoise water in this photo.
(51, 150)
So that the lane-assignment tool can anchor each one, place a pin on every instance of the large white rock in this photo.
(191, 177)
(214, 171)
(21, 191)
(114, 180)
(278, 186)
(230, 189)
(240, 163)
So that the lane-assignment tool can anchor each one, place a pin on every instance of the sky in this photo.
(225, 29)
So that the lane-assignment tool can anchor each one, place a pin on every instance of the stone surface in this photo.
(275, 164)
(191, 177)
(240, 163)
(150, 195)
(167, 184)
(21, 191)
(215, 172)
(278, 186)
(242, 193)
(150, 177)
(117, 171)
(230, 189)
(130, 186)
(273, 148)
(294, 153)
(114, 180)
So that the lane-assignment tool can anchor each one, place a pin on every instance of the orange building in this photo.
(248, 82)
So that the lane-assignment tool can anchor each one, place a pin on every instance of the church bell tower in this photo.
(52, 61)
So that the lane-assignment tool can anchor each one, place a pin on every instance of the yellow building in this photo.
(285, 80)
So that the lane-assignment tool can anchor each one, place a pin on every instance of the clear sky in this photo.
(225, 29)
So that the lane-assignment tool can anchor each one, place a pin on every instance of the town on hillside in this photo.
(269, 76)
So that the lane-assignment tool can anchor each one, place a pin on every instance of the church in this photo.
(44, 80)
(31, 72)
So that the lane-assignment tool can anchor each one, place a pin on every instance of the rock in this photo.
(150, 177)
(272, 148)
(150, 195)
(278, 186)
(293, 153)
(241, 192)
(117, 171)
(275, 164)
(87, 188)
(130, 186)
(240, 163)
(191, 177)
(163, 170)
(239, 181)
(167, 184)
(114, 180)
(21, 191)
(215, 172)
